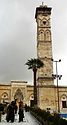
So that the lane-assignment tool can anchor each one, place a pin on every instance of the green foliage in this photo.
(34, 63)
(62, 122)
(44, 116)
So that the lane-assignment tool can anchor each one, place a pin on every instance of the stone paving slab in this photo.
(28, 120)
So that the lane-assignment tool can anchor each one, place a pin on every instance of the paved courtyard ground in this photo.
(28, 120)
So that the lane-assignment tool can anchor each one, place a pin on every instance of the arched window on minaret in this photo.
(48, 35)
(41, 35)
(45, 36)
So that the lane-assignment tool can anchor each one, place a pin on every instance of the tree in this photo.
(34, 64)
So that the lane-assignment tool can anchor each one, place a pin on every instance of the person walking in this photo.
(21, 112)
(10, 112)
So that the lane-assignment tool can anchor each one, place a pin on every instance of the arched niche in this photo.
(63, 101)
(41, 35)
(47, 35)
(4, 97)
(18, 95)
(31, 100)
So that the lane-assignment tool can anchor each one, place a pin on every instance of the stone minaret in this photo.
(44, 44)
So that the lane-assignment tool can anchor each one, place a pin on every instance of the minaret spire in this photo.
(44, 44)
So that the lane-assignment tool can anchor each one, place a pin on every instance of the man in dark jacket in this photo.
(21, 113)
(10, 112)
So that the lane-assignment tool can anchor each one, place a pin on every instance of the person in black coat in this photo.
(10, 112)
(15, 108)
(21, 112)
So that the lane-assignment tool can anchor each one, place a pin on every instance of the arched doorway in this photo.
(32, 100)
(63, 101)
(18, 95)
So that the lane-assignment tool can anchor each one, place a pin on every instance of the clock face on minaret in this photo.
(44, 44)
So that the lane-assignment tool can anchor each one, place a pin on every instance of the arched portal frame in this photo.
(18, 95)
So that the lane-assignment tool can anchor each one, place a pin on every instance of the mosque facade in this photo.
(16, 90)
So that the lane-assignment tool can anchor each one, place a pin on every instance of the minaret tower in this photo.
(44, 44)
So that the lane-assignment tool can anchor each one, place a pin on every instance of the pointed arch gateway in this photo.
(18, 95)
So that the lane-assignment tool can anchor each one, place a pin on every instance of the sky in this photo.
(18, 33)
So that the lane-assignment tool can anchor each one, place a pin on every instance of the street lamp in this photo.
(57, 77)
